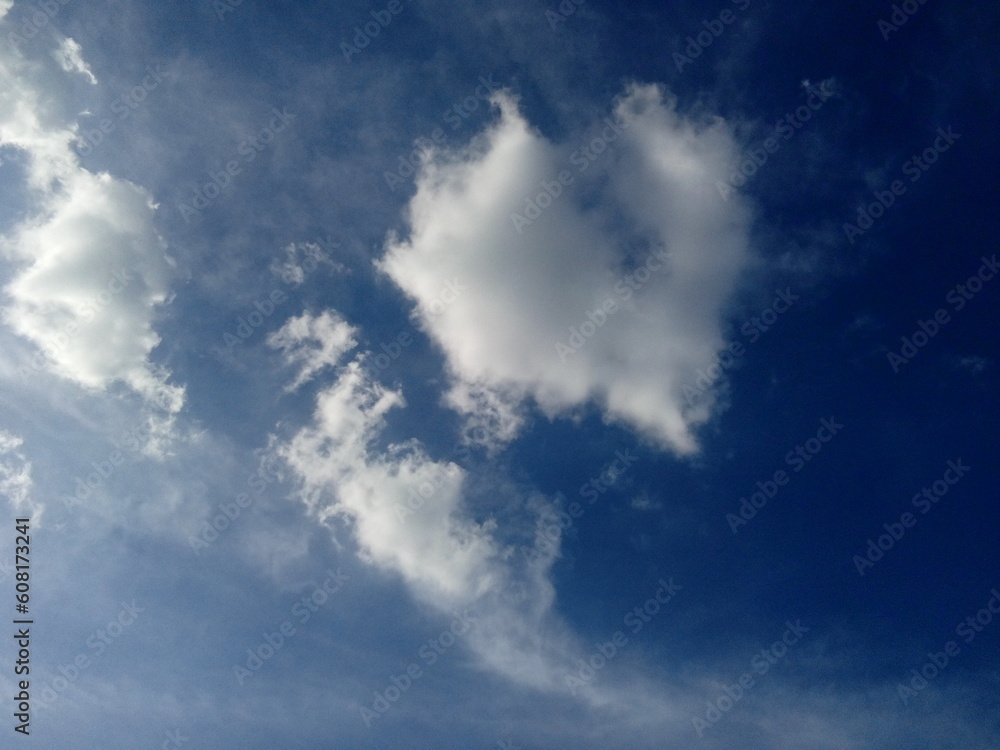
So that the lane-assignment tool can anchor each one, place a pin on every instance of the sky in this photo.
(508, 375)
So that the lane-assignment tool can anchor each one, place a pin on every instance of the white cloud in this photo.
(15, 475)
(639, 192)
(411, 515)
(312, 343)
(70, 59)
(89, 267)
(443, 556)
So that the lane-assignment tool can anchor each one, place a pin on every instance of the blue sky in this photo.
(519, 375)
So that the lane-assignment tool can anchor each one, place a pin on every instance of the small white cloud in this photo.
(15, 476)
(302, 259)
(403, 506)
(975, 365)
(70, 59)
(312, 343)
(644, 502)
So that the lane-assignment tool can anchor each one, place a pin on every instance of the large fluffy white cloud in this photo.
(87, 265)
(609, 286)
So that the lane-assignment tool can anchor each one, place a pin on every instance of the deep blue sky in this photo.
(328, 423)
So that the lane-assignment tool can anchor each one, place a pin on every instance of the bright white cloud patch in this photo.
(312, 343)
(89, 267)
(70, 59)
(607, 286)
(409, 516)
(15, 475)
(403, 506)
